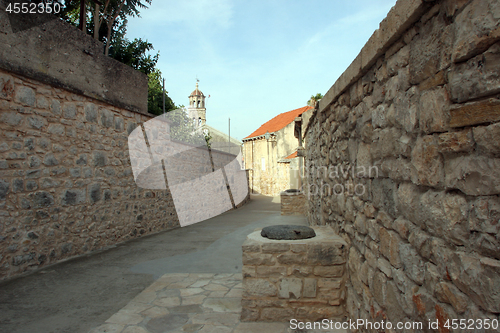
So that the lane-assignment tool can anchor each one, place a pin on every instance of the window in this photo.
(263, 161)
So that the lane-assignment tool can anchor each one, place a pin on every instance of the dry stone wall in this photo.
(66, 185)
(403, 160)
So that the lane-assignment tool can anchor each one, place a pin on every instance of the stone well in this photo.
(293, 202)
(294, 279)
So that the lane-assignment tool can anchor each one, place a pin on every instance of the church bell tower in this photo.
(196, 110)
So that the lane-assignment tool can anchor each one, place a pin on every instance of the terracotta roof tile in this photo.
(292, 155)
(279, 122)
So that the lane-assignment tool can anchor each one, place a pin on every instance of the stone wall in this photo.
(403, 160)
(66, 185)
(294, 279)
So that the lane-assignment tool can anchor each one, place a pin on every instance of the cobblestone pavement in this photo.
(190, 302)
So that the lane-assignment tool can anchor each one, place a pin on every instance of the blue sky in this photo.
(255, 59)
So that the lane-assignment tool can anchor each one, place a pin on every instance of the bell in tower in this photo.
(196, 109)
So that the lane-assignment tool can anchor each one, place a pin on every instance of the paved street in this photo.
(82, 294)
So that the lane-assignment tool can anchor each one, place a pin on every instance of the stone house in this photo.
(272, 153)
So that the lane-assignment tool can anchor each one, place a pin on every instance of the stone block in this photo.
(275, 247)
(4, 189)
(100, 159)
(389, 246)
(298, 248)
(258, 259)
(370, 258)
(379, 288)
(73, 197)
(385, 143)
(360, 223)
(41, 199)
(383, 193)
(25, 96)
(309, 288)
(249, 314)
(438, 79)
(329, 271)
(250, 246)
(107, 117)
(56, 129)
(379, 116)
(290, 288)
(455, 142)
(413, 264)
(329, 283)
(403, 227)
(90, 110)
(488, 138)
(7, 86)
(476, 27)
(484, 212)
(36, 122)
(11, 118)
(475, 113)
(326, 254)
(398, 169)
(259, 288)
(399, 59)
(421, 241)
(478, 77)
(473, 175)
(291, 259)
(385, 267)
(477, 277)
(50, 160)
(277, 314)
(299, 271)
(248, 271)
(448, 293)
(405, 113)
(445, 215)
(266, 271)
(428, 162)
(94, 192)
(364, 160)
(69, 110)
(397, 85)
(434, 110)
(429, 50)
(373, 229)
(394, 302)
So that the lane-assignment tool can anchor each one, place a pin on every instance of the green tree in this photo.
(155, 94)
(103, 22)
(134, 54)
(314, 98)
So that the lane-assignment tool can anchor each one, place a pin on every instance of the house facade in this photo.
(272, 154)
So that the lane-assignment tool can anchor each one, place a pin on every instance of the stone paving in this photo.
(190, 302)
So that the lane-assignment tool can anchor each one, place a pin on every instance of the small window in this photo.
(263, 160)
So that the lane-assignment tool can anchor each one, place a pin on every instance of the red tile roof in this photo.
(279, 122)
(292, 155)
